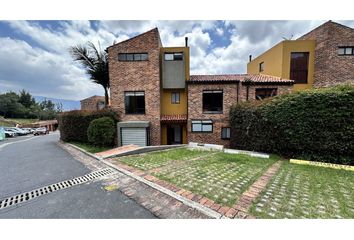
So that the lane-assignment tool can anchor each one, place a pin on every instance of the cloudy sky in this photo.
(34, 54)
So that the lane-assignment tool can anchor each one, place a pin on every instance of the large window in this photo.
(175, 98)
(173, 56)
(262, 93)
(132, 57)
(212, 101)
(346, 50)
(134, 102)
(202, 126)
(299, 67)
(225, 133)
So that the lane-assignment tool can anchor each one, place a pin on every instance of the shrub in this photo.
(316, 124)
(101, 132)
(73, 125)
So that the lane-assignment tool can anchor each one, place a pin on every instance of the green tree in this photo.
(26, 99)
(95, 63)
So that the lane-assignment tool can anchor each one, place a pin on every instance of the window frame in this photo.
(300, 70)
(123, 57)
(174, 99)
(202, 122)
(125, 103)
(222, 130)
(344, 49)
(208, 91)
(265, 89)
(261, 67)
(173, 54)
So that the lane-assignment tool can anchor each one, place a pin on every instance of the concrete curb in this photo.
(207, 211)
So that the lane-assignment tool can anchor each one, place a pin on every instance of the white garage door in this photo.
(136, 136)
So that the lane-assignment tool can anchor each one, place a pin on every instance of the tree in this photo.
(95, 62)
(26, 99)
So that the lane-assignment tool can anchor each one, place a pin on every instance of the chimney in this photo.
(186, 40)
(250, 58)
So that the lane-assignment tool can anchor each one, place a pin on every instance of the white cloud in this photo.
(41, 72)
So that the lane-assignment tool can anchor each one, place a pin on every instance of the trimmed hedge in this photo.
(316, 124)
(101, 132)
(73, 125)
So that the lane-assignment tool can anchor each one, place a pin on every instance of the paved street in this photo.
(27, 163)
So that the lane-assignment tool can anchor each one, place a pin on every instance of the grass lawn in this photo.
(153, 160)
(11, 122)
(300, 191)
(90, 148)
(219, 176)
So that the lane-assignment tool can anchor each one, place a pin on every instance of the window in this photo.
(134, 102)
(132, 57)
(202, 126)
(212, 101)
(225, 133)
(299, 66)
(173, 56)
(175, 98)
(346, 50)
(262, 93)
(261, 67)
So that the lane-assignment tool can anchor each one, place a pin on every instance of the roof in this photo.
(93, 97)
(328, 23)
(156, 30)
(235, 78)
(174, 118)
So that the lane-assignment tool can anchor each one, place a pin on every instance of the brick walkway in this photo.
(117, 150)
(160, 204)
(247, 198)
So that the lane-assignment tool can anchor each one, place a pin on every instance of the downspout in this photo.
(247, 91)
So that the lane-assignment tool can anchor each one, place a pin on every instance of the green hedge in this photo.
(101, 132)
(316, 124)
(73, 125)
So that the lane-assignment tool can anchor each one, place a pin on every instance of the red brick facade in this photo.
(92, 103)
(232, 93)
(330, 68)
(138, 76)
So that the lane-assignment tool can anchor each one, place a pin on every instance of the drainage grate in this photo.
(24, 197)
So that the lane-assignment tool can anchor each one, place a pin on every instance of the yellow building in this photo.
(289, 59)
(175, 72)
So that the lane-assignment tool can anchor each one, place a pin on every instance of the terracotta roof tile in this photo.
(255, 78)
(174, 118)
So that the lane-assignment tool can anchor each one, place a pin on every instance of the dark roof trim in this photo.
(266, 83)
(212, 81)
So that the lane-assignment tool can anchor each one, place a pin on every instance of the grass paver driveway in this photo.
(218, 176)
(299, 191)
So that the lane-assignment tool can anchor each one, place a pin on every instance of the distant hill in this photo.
(67, 104)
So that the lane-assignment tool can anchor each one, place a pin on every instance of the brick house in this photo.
(92, 103)
(323, 57)
(160, 103)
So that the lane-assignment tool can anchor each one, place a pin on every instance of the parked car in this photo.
(9, 134)
(19, 131)
(40, 131)
(29, 130)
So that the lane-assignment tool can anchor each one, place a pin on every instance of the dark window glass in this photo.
(202, 126)
(261, 67)
(132, 56)
(122, 57)
(299, 67)
(175, 97)
(173, 56)
(225, 133)
(346, 50)
(262, 93)
(134, 102)
(137, 57)
(212, 101)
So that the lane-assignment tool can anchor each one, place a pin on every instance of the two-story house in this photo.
(321, 58)
(161, 103)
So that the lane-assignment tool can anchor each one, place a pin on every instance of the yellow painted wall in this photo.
(277, 60)
(167, 108)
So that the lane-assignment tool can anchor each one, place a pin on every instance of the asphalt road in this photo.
(27, 163)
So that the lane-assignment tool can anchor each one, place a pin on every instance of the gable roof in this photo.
(154, 30)
(327, 24)
(235, 78)
(93, 97)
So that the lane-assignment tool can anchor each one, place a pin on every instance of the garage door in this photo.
(136, 136)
